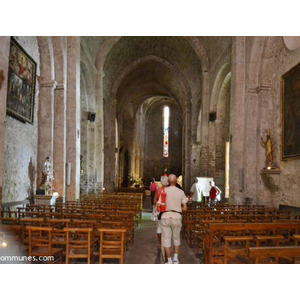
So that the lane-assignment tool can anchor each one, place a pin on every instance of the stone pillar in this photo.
(45, 126)
(73, 117)
(113, 179)
(99, 127)
(110, 146)
(204, 136)
(59, 151)
(4, 55)
(187, 146)
(237, 130)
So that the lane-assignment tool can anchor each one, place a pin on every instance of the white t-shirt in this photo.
(175, 197)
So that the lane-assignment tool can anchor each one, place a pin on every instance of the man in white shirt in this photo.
(196, 191)
(171, 218)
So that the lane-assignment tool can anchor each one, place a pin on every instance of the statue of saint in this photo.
(47, 174)
(268, 145)
(47, 170)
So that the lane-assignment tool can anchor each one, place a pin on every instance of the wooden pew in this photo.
(212, 235)
(271, 255)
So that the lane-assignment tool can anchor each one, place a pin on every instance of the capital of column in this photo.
(48, 84)
(60, 86)
(259, 88)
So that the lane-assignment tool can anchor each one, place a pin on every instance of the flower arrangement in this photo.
(134, 179)
(48, 185)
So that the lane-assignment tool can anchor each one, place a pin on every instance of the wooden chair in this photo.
(78, 245)
(59, 235)
(111, 244)
(40, 245)
(24, 222)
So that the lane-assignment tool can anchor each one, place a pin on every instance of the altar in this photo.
(45, 199)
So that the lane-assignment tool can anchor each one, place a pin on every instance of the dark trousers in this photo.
(152, 196)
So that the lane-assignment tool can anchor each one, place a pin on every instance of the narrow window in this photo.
(166, 116)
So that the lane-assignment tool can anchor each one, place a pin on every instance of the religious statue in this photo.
(268, 145)
(47, 175)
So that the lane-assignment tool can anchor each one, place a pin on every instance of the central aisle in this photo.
(145, 251)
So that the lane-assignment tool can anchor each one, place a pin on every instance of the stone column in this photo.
(110, 146)
(99, 127)
(45, 126)
(237, 130)
(4, 55)
(113, 112)
(73, 117)
(59, 151)
(205, 124)
(187, 146)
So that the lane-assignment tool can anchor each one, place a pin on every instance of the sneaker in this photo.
(176, 261)
(168, 263)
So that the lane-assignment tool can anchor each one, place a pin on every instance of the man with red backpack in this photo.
(171, 219)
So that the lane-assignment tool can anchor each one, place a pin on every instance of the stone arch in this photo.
(138, 62)
(193, 41)
(223, 72)
(219, 128)
(291, 42)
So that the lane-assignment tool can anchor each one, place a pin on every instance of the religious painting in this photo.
(21, 84)
(290, 114)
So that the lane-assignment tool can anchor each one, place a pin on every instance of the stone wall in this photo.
(21, 144)
(154, 163)
(286, 186)
(89, 184)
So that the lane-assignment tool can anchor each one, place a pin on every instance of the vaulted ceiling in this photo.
(137, 68)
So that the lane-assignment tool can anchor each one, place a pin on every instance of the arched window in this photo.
(166, 117)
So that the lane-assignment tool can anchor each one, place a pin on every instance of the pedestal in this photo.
(271, 178)
(45, 199)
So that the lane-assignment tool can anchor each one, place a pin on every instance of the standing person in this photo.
(171, 219)
(153, 189)
(164, 182)
(214, 191)
(196, 192)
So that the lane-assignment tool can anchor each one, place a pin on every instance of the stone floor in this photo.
(144, 249)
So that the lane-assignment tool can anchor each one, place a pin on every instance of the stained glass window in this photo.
(166, 116)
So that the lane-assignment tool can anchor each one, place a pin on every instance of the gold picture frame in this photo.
(290, 114)
(20, 84)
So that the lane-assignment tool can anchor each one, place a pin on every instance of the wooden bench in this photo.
(271, 255)
(213, 247)
(234, 245)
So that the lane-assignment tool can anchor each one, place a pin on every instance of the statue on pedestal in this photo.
(47, 175)
(268, 145)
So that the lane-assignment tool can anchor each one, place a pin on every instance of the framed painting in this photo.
(21, 84)
(290, 114)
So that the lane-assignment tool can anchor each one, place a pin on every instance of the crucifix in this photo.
(1, 78)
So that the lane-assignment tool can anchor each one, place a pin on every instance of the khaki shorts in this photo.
(171, 228)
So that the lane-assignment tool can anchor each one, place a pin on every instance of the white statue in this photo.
(47, 170)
